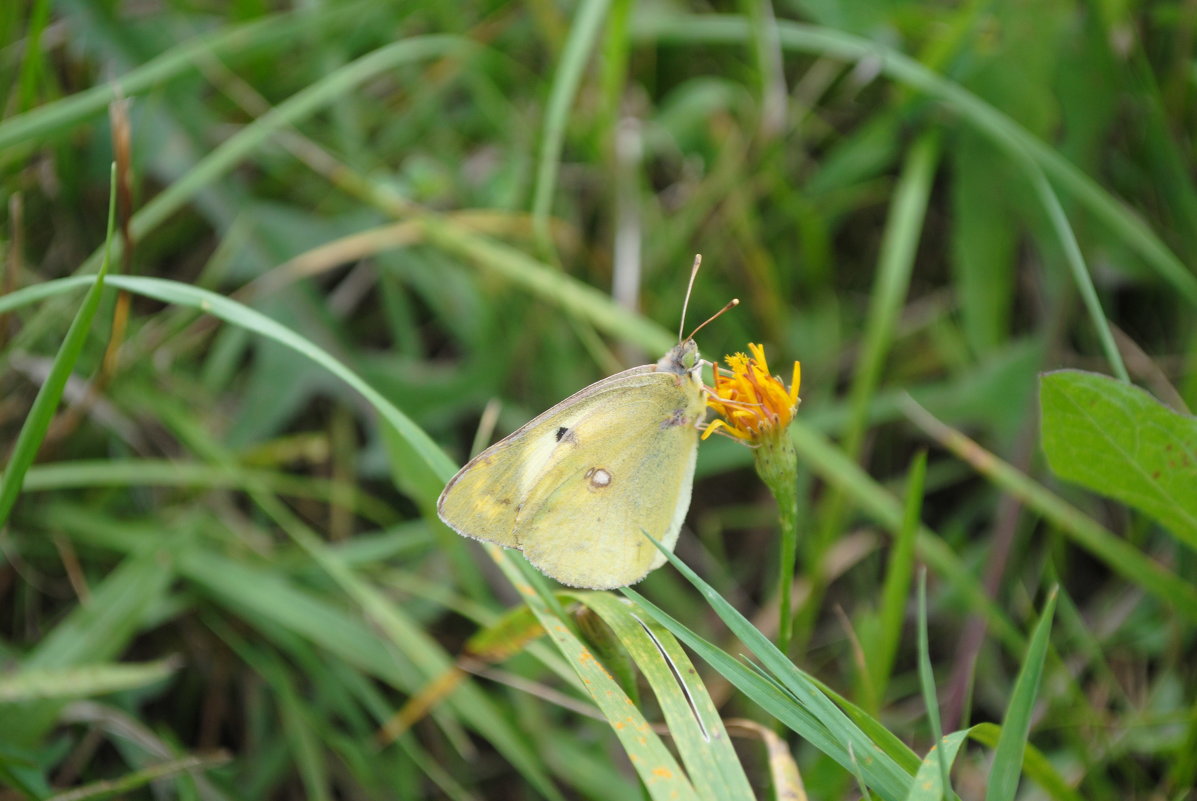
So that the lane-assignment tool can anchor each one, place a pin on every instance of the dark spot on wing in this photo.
(566, 434)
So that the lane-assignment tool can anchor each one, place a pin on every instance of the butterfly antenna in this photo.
(685, 303)
(731, 304)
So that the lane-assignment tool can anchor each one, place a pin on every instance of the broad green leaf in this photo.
(1116, 439)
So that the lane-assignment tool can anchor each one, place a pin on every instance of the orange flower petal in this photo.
(753, 402)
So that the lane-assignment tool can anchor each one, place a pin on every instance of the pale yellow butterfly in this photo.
(576, 488)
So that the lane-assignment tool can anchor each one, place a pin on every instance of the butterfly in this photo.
(577, 488)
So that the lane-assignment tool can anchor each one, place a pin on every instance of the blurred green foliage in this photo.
(222, 575)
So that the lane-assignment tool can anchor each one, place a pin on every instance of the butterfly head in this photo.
(682, 359)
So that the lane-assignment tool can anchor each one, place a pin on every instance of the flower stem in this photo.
(777, 465)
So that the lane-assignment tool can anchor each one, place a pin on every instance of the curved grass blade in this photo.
(108, 788)
(1079, 270)
(79, 473)
(434, 459)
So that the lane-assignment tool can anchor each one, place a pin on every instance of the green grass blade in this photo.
(883, 772)
(654, 764)
(566, 77)
(435, 460)
(1008, 758)
(45, 404)
(694, 723)
(896, 587)
(930, 783)
(82, 681)
(927, 683)
(120, 787)
(81, 473)
(1079, 270)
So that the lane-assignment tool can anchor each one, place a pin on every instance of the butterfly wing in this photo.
(574, 488)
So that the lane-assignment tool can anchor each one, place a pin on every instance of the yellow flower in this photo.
(754, 404)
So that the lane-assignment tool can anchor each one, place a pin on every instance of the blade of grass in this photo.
(82, 681)
(1008, 758)
(930, 783)
(693, 722)
(883, 772)
(896, 586)
(140, 778)
(654, 764)
(434, 459)
(1078, 268)
(82, 473)
(927, 683)
(567, 76)
(37, 422)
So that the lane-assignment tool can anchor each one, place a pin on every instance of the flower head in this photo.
(754, 404)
